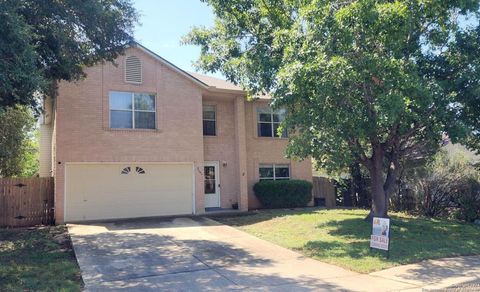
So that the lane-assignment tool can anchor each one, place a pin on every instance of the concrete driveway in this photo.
(198, 254)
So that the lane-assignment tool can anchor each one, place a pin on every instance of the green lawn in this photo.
(31, 260)
(341, 237)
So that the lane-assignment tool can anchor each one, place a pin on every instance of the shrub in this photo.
(343, 190)
(468, 203)
(447, 186)
(354, 190)
(403, 201)
(283, 193)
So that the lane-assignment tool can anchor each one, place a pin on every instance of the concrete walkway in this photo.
(459, 272)
(185, 254)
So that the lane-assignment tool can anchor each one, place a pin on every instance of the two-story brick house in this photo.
(144, 138)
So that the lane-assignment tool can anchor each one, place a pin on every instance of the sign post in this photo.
(380, 238)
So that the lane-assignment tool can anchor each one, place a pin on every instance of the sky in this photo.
(164, 22)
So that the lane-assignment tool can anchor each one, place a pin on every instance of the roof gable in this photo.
(170, 65)
(206, 82)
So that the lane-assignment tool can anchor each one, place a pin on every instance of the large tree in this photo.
(369, 81)
(43, 41)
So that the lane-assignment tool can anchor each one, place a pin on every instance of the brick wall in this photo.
(82, 122)
(266, 150)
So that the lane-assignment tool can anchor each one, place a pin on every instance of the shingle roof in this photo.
(220, 83)
(216, 82)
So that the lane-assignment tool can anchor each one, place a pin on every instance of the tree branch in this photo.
(357, 149)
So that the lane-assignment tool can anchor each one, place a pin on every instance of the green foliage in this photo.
(368, 81)
(353, 190)
(403, 201)
(31, 155)
(19, 75)
(283, 193)
(44, 41)
(448, 185)
(18, 145)
(468, 203)
(446, 178)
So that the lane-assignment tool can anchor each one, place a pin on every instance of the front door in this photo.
(212, 185)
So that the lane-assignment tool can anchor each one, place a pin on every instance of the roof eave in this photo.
(223, 90)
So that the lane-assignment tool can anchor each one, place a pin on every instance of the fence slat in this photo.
(324, 188)
(26, 201)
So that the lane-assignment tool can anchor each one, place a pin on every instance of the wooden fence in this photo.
(324, 189)
(26, 201)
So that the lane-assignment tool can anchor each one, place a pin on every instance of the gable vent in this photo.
(133, 70)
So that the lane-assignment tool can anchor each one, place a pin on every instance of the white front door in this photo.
(212, 184)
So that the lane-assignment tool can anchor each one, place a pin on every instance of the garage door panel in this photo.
(101, 191)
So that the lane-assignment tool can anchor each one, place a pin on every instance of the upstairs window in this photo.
(274, 171)
(268, 122)
(132, 110)
(133, 70)
(209, 120)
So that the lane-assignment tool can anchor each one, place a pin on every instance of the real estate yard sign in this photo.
(380, 237)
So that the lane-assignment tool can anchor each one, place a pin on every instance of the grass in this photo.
(39, 259)
(341, 237)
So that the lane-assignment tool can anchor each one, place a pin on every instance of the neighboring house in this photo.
(145, 138)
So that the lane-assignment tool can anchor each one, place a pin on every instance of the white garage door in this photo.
(107, 191)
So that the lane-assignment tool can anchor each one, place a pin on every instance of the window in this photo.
(274, 171)
(133, 70)
(129, 110)
(268, 122)
(209, 120)
(210, 180)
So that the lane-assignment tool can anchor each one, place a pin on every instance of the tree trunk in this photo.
(379, 197)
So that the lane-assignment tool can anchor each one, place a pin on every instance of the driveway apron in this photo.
(199, 254)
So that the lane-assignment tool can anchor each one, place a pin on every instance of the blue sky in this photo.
(164, 22)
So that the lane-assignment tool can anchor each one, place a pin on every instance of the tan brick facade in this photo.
(82, 134)
(261, 150)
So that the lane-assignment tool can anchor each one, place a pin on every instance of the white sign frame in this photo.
(380, 237)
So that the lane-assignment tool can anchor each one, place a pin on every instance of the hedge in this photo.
(283, 193)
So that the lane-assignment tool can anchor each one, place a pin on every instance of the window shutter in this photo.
(133, 70)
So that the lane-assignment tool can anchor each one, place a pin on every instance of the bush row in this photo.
(283, 193)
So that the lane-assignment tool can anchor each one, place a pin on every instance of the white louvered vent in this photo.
(133, 70)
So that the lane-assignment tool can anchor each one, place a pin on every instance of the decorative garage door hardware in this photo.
(128, 169)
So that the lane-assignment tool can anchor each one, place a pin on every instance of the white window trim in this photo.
(211, 120)
(133, 110)
(272, 123)
(274, 166)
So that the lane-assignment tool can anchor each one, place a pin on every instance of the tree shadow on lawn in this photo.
(412, 239)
